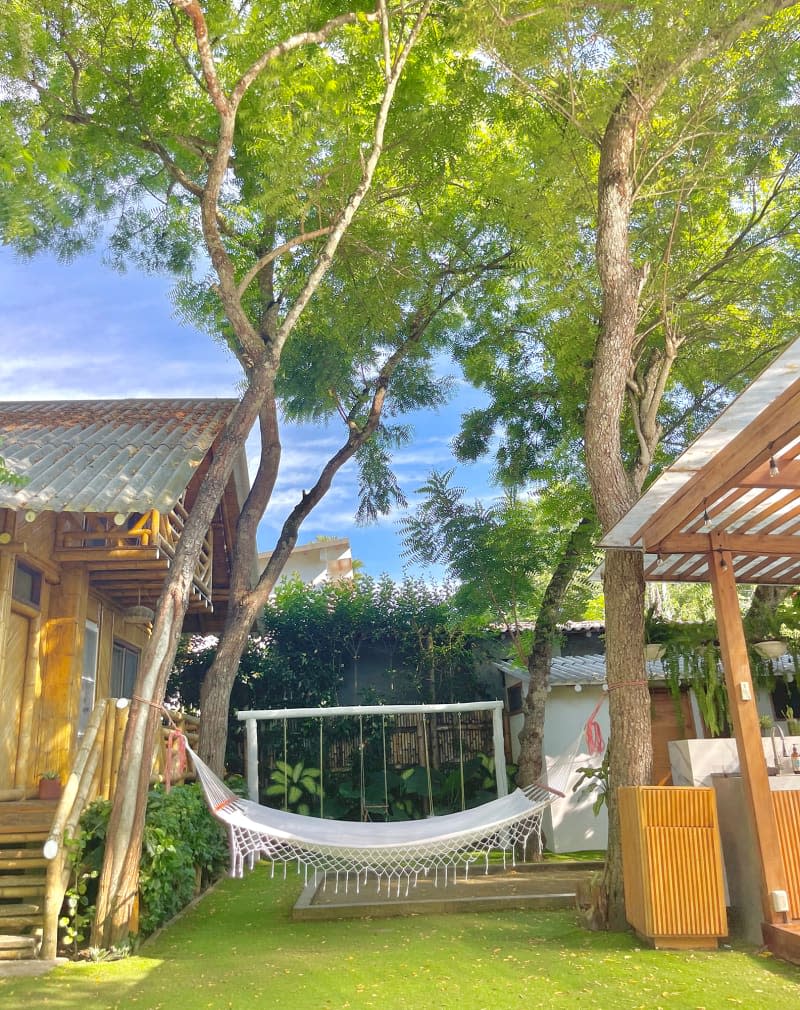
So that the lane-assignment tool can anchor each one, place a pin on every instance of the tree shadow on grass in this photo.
(238, 949)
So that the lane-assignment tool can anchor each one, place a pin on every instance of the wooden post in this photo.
(742, 704)
(251, 759)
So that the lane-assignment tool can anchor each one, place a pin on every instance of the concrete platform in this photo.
(528, 885)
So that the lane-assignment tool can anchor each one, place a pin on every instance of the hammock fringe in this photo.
(390, 850)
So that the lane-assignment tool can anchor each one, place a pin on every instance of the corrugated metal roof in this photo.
(105, 455)
(566, 671)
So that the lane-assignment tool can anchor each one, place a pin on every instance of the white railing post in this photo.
(499, 750)
(251, 759)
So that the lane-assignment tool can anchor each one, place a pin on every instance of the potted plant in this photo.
(763, 630)
(656, 635)
(766, 723)
(792, 724)
(49, 786)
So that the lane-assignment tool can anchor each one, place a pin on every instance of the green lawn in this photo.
(238, 950)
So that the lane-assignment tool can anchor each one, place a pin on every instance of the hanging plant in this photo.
(692, 659)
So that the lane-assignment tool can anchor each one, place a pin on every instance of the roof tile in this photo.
(106, 455)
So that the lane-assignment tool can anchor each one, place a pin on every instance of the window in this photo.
(27, 586)
(515, 698)
(88, 676)
(124, 665)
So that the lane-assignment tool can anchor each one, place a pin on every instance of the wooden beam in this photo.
(754, 544)
(744, 714)
(735, 462)
(787, 477)
(87, 555)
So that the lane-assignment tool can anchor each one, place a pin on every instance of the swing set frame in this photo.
(252, 717)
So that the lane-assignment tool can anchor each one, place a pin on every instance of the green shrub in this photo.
(182, 851)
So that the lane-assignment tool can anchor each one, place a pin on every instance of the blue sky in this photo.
(81, 330)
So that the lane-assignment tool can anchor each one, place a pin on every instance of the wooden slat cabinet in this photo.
(672, 865)
(786, 804)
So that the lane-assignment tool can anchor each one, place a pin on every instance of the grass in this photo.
(239, 950)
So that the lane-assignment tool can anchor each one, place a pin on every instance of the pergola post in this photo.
(744, 714)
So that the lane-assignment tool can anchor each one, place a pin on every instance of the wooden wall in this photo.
(40, 677)
(668, 722)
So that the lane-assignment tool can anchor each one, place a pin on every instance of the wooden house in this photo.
(85, 543)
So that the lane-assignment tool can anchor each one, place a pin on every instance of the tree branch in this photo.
(347, 213)
(191, 8)
(268, 258)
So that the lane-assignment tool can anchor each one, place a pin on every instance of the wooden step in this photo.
(26, 817)
(20, 922)
(18, 908)
(21, 859)
(18, 948)
(35, 839)
(21, 885)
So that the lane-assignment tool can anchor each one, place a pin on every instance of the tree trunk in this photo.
(612, 489)
(631, 756)
(120, 873)
(531, 737)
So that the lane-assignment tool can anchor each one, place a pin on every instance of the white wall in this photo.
(313, 564)
(570, 825)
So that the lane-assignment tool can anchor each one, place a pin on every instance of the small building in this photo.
(576, 691)
(85, 543)
(328, 559)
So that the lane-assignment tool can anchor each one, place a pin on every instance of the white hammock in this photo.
(392, 850)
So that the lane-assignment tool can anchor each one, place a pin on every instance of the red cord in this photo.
(175, 757)
(594, 735)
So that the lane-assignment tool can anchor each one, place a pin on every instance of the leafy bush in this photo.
(318, 638)
(295, 785)
(183, 850)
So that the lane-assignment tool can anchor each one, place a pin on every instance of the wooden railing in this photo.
(158, 531)
(94, 776)
(78, 792)
(168, 529)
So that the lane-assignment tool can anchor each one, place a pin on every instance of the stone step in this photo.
(18, 948)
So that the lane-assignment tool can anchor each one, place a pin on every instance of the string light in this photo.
(773, 466)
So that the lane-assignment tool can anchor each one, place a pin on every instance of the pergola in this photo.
(728, 510)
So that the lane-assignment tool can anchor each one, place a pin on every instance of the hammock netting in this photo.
(392, 851)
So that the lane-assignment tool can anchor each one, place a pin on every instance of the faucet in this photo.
(775, 749)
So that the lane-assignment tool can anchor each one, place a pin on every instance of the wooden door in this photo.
(12, 680)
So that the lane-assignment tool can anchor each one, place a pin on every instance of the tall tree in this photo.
(252, 134)
(674, 233)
